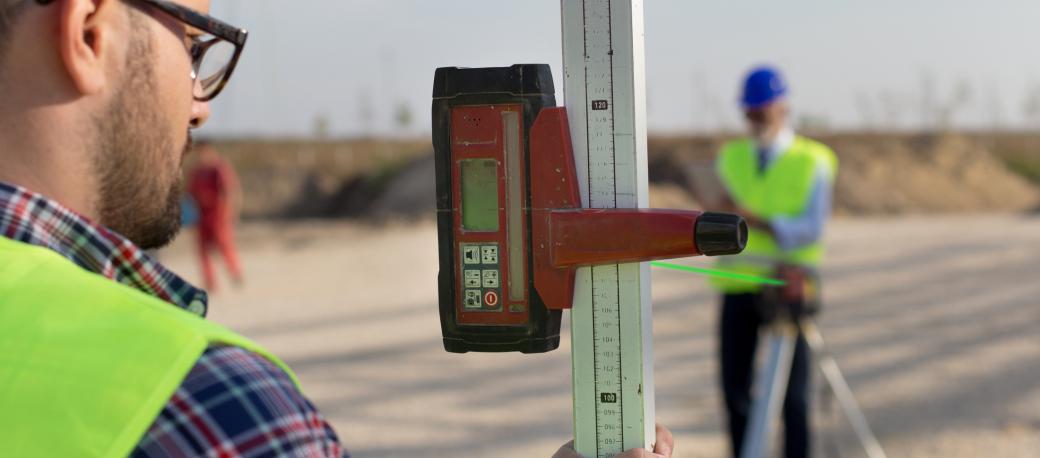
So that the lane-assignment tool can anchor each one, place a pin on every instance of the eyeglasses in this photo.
(214, 54)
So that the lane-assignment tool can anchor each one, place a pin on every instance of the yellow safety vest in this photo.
(86, 364)
(784, 189)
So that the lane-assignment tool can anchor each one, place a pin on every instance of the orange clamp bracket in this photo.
(565, 236)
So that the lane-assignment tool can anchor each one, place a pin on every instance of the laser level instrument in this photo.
(529, 226)
(788, 310)
(511, 232)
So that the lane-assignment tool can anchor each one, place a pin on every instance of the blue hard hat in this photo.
(763, 85)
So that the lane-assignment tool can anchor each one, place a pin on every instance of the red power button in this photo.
(491, 299)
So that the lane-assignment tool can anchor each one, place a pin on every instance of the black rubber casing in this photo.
(531, 86)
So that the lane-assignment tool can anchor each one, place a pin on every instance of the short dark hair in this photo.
(8, 12)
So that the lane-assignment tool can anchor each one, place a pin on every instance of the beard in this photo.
(135, 161)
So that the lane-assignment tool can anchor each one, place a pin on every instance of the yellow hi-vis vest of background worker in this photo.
(783, 189)
(87, 364)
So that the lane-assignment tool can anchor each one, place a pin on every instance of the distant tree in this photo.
(698, 105)
(995, 107)
(403, 117)
(1031, 106)
(713, 114)
(867, 113)
(366, 113)
(809, 122)
(959, 98)
(893, 106)
(320, 126)
(928, 108)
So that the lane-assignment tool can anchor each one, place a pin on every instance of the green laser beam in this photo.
(720, 274)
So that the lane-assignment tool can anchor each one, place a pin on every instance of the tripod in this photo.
(781, 336)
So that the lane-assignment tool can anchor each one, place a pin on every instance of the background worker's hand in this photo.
(662, 449)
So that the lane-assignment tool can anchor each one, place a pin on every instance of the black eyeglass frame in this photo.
(205, 23)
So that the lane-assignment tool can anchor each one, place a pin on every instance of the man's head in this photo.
(764, 103)
(124, 81)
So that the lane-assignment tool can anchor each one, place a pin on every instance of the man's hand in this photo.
(662, 449)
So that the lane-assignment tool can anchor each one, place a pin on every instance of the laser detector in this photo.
(511, 230)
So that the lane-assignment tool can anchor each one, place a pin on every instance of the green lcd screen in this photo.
(480, 195)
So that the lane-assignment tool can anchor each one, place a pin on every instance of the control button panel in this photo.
(471, 300)
(489, 254)
(472, 279)
(481, 277)
(470, 254)
(490, 277)
(491, 299)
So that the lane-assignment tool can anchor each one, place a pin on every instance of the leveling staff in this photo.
(103, 351)
(782, 184)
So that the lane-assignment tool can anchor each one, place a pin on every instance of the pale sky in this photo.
(852, 64)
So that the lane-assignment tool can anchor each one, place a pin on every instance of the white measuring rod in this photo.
(611, 328)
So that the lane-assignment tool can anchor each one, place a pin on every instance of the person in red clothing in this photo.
(213, 186)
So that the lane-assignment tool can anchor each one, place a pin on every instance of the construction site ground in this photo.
(934, 320)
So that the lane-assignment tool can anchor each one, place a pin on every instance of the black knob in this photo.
(719, 234)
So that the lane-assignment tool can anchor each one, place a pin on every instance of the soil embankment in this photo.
(879, 174)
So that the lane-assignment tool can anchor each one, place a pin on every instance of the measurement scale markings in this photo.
(611, 106)
(602, 159)
(607, 350)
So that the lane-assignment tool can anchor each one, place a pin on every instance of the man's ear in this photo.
(85, 39)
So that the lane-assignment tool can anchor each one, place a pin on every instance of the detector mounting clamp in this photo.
(511, 228)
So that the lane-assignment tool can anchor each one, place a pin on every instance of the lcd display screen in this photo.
(479, 195)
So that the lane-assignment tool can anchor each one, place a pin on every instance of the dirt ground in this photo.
(933, 320)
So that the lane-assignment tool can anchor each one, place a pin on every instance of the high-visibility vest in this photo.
(783, 189)
(87, 364)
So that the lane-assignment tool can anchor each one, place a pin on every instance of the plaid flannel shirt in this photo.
(233, 402)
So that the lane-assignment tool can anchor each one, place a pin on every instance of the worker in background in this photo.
(782, 184)
(103, 351)
(214, 187)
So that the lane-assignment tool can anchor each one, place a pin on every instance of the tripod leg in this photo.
(841, 391)
(830, 413)
(772, 388)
